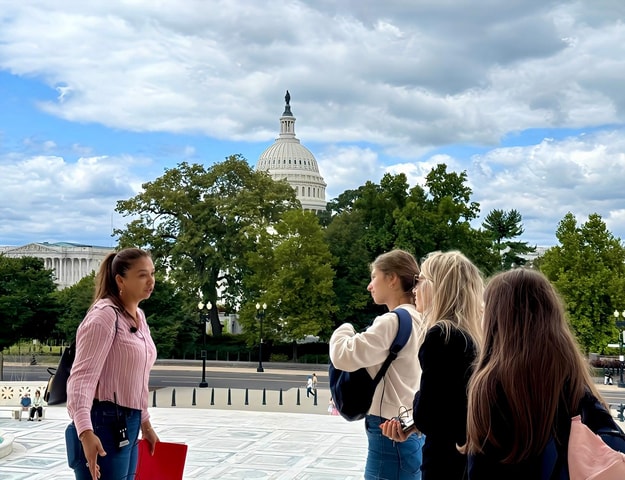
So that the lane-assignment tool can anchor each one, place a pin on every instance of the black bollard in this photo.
(280, 401)
(264, 397)
(315, 398)
(154, 398)
(297, 397)
(229, 397)
(193, 400)
(213, 396)
(173, 397)
(246, 397)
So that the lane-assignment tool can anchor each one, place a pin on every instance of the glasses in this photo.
(418, 278)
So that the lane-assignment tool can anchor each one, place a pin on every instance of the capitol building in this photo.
(70, 261)
(287, 159)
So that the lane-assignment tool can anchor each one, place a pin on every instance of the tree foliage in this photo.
(168, 317)
(27, 305)
(294, 278)
(502, 227)
(588, 269)
(199, 222)
(75, 302)
(374, 219)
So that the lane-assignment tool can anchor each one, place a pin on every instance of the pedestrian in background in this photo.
(37, 407)
(309, 386)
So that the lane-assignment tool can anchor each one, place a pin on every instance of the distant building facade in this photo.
(70, 261)
(288, 159)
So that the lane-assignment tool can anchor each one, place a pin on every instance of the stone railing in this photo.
(12, 392)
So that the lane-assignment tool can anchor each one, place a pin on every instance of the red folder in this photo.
(167, 463)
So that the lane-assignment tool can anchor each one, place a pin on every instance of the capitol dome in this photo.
(288, 159)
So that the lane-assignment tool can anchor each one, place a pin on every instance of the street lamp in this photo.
(621, 339)
(260, 314)
(200, 307)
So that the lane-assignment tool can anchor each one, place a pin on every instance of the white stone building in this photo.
(288, 159)
(70, 261)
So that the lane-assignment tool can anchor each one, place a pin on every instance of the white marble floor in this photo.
(223, 444)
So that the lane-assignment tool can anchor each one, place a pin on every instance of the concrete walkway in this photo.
(228, 442)
(231, 435)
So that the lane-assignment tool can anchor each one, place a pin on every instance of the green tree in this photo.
(167, 315)
(502, 227)
(374, 219)
(27, 305)
(74, 301)
(588, 269)
(294, 278)
(345, 240)
(199, 222)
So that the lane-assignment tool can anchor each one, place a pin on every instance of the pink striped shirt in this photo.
(107, 363)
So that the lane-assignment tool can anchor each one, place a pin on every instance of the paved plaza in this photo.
(232, 435)
(225, 442)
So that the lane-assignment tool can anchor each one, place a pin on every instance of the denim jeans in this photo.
(118, 463)
(389, 460)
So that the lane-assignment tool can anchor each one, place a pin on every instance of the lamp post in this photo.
(621, 339)
(260, 314)
(200, 307)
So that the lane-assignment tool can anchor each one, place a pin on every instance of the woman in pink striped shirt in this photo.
(107, 391)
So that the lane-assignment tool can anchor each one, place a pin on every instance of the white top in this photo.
(351, 351)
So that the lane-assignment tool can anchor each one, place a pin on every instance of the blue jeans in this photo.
(118, 463)
(389, 460)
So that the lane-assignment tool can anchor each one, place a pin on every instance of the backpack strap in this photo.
(403, 335)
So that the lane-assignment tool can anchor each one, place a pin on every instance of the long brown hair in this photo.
(115, 264)
(531, 358)
(457, 294)
(400, 263)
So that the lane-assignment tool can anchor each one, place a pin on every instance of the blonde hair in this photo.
(456, 294)
(400, 263)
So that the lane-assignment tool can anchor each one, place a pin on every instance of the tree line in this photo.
(231, 236)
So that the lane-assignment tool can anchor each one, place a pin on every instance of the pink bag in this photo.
(589, 458)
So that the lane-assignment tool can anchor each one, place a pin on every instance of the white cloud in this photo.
(377, 86)
(543, 182)
(49, 199)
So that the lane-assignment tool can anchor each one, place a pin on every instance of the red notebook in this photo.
(167, 463)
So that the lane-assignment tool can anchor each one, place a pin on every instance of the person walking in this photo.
(309, 386)
(107, 391)
(392, 280)
(449, 295)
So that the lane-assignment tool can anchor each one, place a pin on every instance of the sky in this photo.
(525, 96)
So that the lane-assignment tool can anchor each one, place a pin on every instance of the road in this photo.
(190, 375)
(239, 376)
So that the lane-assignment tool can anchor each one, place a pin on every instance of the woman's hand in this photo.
(92, 447)
(392, 429)
(150, 435)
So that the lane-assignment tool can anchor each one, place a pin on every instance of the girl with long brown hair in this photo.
(530, 380)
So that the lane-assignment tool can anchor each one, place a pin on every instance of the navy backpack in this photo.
(352, 392)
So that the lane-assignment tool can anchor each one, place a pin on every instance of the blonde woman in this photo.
(392, 281)
(449, 295)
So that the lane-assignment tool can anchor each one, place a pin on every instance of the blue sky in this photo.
(98, 97)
